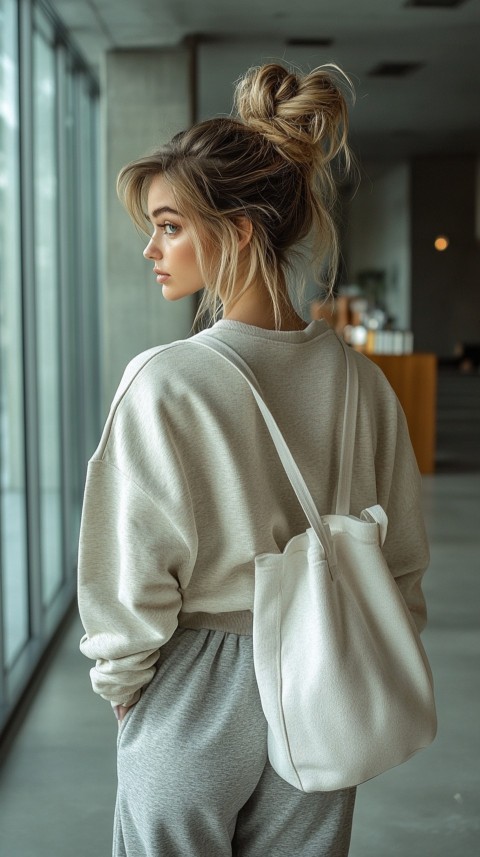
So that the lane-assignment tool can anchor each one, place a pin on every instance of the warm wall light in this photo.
(441, 243)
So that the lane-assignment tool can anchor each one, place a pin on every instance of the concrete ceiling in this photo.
(435, 108)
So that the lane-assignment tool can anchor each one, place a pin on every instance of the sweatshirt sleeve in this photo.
(130, 557)
(138, 541)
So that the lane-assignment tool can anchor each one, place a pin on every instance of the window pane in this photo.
(47, 314)
(12, 456)
(89, 275)
(72, 294)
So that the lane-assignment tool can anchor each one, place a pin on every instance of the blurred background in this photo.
(87, 85)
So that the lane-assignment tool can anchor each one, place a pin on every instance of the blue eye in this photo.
(170, 228)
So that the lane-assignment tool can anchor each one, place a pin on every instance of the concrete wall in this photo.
(147, 97)
(377, 235)
(445, 286)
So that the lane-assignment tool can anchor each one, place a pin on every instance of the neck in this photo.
(255, 307)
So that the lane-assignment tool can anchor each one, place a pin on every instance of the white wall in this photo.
(378, 235)
(146, 100)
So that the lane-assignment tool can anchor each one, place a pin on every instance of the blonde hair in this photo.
(273, 164)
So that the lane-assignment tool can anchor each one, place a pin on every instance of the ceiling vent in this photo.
(394, 69)
(435, 4)
(309, 43)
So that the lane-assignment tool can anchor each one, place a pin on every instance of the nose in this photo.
(152, 251)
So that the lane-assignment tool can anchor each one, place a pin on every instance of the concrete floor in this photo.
(57, 785)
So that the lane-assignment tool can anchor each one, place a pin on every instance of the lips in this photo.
(162, 276)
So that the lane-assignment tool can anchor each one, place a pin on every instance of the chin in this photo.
(176, 294)
(171, 295)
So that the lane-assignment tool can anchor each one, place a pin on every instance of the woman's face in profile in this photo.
(171, 247)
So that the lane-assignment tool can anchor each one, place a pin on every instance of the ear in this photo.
(245, 231)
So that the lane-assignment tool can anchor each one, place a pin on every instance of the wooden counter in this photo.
(414, 379)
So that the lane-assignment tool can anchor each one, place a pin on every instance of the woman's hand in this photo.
(120, 711)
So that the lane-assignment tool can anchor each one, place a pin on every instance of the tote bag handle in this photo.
(296, 479)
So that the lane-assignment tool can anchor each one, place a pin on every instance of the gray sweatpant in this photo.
(193, 775)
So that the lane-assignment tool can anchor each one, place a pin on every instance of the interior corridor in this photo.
(57, 785)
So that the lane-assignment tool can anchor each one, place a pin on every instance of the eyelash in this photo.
(165, 225)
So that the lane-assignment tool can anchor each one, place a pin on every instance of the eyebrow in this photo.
(164, 210)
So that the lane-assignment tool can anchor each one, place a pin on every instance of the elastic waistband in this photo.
(236, 622)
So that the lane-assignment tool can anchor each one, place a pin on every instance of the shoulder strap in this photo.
(289, 464)
(344, 485)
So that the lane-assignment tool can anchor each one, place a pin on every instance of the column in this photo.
(147, 98)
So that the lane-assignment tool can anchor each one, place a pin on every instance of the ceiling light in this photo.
(394, 69)
(434, 4)
(309, 43)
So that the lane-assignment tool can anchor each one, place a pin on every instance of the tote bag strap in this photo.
(296, 479)
(344, 485)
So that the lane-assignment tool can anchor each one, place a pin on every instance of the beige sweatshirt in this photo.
(186, 488)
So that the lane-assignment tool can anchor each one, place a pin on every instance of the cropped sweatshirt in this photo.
(186, 488)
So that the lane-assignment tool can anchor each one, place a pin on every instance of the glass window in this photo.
(49, 397)
(88, 269)
(13, 579)
(73, 295)
(47, 312)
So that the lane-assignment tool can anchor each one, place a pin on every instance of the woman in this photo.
(185, 488)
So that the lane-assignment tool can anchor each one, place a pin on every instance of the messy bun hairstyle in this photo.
(273, 163)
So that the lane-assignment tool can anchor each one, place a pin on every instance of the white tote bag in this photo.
(344, 680)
